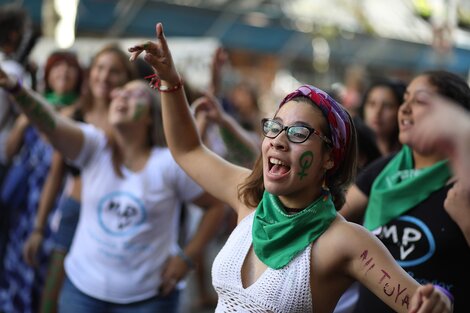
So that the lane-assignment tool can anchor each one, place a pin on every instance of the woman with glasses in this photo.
(291, 251)
(411, 202)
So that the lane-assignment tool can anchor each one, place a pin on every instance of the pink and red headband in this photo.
(337, 117)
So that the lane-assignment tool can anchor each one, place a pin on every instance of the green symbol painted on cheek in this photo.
(305, 161)
(139, 111)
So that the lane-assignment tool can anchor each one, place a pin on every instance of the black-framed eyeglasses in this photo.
(296, 133)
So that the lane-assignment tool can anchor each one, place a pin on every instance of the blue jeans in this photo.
(70, 209)
(72, 300)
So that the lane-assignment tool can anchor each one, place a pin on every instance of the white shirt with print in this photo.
(128, 226)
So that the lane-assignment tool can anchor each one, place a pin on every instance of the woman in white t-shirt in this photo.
(124, 257)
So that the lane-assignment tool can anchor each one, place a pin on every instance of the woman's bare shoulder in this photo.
(243, 211)
(342, 241)
(343, 231)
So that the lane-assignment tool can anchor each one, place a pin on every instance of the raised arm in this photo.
(214, 174)
(61, 132)
(218, 60)
(216, 114)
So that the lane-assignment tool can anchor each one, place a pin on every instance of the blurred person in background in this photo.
(124, 256)
(109, 69)
(240, 101)
(13, 38)
(355, 78)
(402, 199)
(244, 99)
(445, 129)
(23, 185)
(13, 23)
(379, 112)
(367, 147)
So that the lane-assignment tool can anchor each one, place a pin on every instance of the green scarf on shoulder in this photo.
(59, 101)
(400, 187)
(278, 237)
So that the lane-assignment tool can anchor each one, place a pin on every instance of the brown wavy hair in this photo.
(86, 101)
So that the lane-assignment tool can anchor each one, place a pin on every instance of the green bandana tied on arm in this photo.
(399, 187)
(279, 237)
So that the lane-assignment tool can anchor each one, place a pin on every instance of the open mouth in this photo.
(277, 167)
(406, 123)
(121, 109)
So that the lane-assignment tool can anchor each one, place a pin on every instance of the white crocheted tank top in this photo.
(286, 290)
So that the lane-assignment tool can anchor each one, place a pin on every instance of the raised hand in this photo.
(445, 128)
(457, 205)
(158, 55)
(218, 61)
(210, 106)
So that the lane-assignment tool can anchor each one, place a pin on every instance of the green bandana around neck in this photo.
(279, 237)
(61, 100)
(400, 187)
